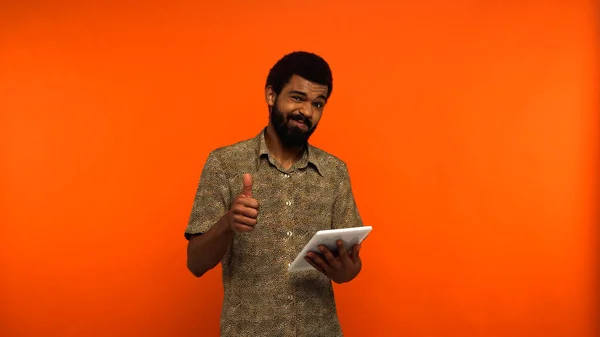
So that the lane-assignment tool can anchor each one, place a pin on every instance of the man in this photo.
(258, 203)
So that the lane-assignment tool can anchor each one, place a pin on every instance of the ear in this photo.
(270, 95)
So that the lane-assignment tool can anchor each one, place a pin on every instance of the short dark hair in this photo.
(304, 64)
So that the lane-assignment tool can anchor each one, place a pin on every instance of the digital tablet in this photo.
(329, 238)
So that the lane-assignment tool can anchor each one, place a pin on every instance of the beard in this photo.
(290, 135)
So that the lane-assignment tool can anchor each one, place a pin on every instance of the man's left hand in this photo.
(340, 269)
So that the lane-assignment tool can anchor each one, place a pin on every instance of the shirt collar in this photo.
(310, 155)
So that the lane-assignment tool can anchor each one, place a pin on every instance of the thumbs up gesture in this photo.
(244, 210)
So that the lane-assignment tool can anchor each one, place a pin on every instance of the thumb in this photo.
(247, 190)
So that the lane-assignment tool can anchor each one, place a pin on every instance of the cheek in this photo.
(316, 117)
(287, 109)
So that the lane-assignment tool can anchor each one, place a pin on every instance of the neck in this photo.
(286, 156)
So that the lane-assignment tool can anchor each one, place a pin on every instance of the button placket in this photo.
(288, 227)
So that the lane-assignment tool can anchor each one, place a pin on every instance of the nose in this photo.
(307, 110)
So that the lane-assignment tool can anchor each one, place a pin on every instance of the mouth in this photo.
(299, 124)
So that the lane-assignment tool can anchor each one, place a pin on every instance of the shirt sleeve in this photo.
(345, 211)
(211, 200)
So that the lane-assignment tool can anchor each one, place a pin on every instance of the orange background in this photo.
(470, 130)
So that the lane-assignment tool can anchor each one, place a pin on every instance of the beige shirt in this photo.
(261, 298)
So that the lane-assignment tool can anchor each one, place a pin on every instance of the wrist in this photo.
(224, 226)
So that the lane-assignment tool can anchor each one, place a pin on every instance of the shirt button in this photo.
(289, 233)
(289, 264)
(285, 175)
(289, 203)
(290, 297)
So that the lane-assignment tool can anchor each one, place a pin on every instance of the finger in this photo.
(342, 251)
(312, 263)
(247, 190)
(355, 252)
(243, 220)
(330, 258)
(242, 228)
(251, 213)
(248, 202)
(319, 262)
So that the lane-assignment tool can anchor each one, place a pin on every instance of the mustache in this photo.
(301, 118)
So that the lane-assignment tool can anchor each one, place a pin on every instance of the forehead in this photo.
(301, 84)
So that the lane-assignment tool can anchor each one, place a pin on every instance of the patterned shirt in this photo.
(261, 298)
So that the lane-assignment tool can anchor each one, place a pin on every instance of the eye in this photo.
(319, 105)
(297, 98)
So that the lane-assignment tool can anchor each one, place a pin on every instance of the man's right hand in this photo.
(244, 210)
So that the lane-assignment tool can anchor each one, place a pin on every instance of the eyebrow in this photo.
(297, 92)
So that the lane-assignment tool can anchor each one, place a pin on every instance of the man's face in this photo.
(296, 111)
